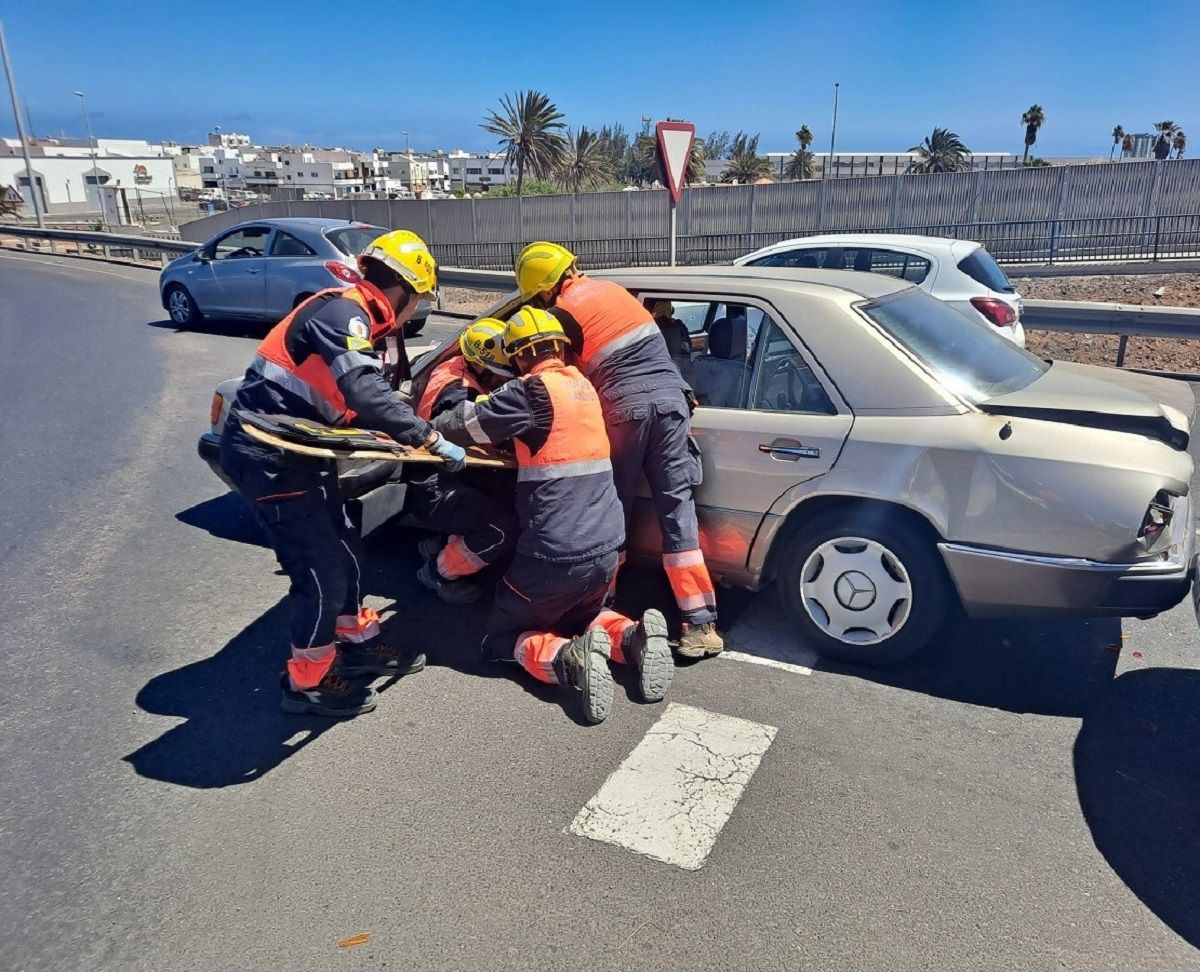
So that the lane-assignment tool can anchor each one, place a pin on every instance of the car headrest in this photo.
(727, 338)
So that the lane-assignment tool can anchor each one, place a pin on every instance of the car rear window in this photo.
(352, 240)
(980, 267)
(804, 258)
(969, 357)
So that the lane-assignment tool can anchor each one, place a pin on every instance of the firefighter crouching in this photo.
(473, 511)
(548, 614)
(622, 352)
(319, 363)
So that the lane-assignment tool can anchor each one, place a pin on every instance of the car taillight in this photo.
(214, 410)
(342, 272)
(996, 311)
(1157, 518)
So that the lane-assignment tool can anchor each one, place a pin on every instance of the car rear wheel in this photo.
(863, 589)
(181, 306)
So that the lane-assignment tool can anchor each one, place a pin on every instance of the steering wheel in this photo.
(244, 251)
(795, 371)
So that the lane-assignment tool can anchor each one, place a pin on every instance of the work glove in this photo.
(453, 457)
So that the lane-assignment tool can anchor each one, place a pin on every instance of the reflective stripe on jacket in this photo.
(444, 375)
(312, 379)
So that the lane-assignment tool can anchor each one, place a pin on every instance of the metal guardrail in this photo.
(1124, 320)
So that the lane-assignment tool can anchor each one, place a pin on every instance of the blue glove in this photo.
(453, 457)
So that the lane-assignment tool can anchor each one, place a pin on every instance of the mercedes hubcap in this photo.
(856, 590)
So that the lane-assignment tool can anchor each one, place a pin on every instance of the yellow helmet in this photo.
(530, 326)
(405, 253)
(482, 344)
(540, 266)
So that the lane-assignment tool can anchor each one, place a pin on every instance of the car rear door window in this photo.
(811, 258)
(783, 379)
(286, 245)
(980, 267)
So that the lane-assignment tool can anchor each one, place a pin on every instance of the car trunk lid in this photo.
(1106, 399)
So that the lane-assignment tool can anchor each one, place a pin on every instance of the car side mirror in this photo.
(202, 257)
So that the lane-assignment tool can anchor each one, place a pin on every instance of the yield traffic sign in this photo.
(674, 151)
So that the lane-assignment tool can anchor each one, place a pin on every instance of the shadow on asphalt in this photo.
(1137, 771)
(226, 517)
(218, 327)
(1053, 667)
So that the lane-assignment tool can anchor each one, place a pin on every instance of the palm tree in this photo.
(695, 167)
(585, 163)
(530, 130)
(1179, 142)
(1033, 119)
(1127, 144)
(801, 164)
(1118, 133)
(746, 167)
(943, 151)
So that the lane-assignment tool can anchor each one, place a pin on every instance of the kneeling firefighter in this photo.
(319, 364)
(548, 614)
(473, 510)
(646, 413)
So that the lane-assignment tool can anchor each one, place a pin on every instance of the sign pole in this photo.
(12, 92)
(674, 154)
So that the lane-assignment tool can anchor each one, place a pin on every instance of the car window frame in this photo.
(210, 249)
(276, 232)
(789, 330)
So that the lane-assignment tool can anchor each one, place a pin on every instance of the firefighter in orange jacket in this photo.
(549, 612)
(622, 351)
(473, 514)
(319, 363)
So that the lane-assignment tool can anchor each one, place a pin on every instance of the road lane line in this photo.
(742, 656)
(670, 797)
(68, 266)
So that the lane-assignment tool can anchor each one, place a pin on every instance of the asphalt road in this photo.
(1023, 795)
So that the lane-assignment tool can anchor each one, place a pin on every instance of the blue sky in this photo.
(359, 73)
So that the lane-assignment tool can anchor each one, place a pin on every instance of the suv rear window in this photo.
(352, 240)
(807, 257)
(969, 357)
(980, 267)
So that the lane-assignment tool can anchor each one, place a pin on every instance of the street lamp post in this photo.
(833, 131)
(12, 91)
(87, 125)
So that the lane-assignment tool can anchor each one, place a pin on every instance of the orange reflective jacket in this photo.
(444, 375)
(311, 379)
(577, 444)
(609, 316)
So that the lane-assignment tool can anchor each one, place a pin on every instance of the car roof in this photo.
(803, 281)
(943, 245)
(311, 222)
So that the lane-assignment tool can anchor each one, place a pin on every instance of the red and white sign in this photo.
(674, 151)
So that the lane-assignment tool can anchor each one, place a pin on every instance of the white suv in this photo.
(960, 272)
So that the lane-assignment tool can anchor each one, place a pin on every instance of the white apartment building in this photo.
(66, 178)
(474, 172)
(228, 140)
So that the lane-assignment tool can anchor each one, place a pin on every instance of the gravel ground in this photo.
(1155, 290)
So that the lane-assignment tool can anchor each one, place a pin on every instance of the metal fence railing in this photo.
(1051, 241)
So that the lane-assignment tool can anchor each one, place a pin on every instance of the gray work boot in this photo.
(430, 547)
(582, 669)
(450, 591)
(646, 649)
(700, 640)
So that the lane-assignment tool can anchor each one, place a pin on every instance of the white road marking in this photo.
(68, 266)
(670, 797)
(742, 656)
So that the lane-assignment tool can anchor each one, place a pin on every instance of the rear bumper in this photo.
(997, 583)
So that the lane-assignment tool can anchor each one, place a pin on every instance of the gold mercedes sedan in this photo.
(879, 455)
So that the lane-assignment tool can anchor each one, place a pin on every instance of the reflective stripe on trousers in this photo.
(536, 652)
(457, 560)
(358, 628)
(691, 583)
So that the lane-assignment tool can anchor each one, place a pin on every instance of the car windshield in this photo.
(352, 240)
(980, 267)
(969, 357)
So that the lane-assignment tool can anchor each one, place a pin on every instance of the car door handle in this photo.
(789, 450)
(253, 269)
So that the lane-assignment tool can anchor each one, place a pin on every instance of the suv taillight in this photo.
(996, 311)
(342, 272)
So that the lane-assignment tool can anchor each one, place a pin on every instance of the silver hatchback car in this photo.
(261, 269)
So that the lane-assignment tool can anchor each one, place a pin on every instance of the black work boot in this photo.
(376, 657)
(430, 547)
(646, 649)
(582, 669)
(332, 696)
(450, 591)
